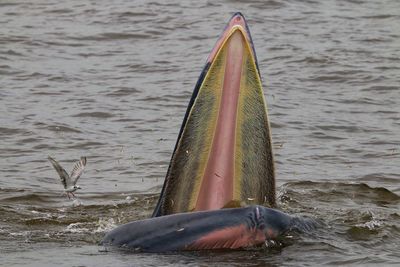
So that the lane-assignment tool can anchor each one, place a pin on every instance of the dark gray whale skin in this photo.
(188, 217)
(217, 229)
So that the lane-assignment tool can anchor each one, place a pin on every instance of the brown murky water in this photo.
(111, 80)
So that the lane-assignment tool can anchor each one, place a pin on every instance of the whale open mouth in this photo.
(222, 160)
(223, 155)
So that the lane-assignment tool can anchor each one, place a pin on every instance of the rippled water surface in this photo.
(111, 80)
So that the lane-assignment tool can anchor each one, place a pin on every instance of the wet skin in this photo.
(218, 229)
(222, 162)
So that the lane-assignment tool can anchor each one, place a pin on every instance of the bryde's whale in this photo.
(219, 191)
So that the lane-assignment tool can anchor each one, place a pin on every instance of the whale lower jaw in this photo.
(223, 156)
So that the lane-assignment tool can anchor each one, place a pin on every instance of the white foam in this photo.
(76, 203)
(104, 225)
(77, 228)
(371, 225)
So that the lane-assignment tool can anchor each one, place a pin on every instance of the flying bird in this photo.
(69, 181)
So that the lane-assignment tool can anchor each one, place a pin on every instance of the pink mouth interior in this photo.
(235, 21)
(217, 187)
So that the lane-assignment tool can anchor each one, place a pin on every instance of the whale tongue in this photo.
(223, 156)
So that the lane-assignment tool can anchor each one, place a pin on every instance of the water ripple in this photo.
(87, 78)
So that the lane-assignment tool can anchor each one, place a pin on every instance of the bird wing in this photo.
(65, 179)
(77, 170)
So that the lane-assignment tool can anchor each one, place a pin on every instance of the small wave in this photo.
(4, 131)
(58, 128)
(10, 73)
(321, 135)
(313, 60)
(11, 190)
(104, 225)
(374, 40)
(11, 52)
(371, 225)
(365, 231)
(86, 145)
(111, 36)
(270, 4)
(341, 128)
(26, 198)
(330, 192)
(133, 14)
(43, 93)
(125, 91)
(381, 177)
(8, 4)
(59, 11)
(381, 16)
(96, 114)
(77, 228)
(23, 233)
(101, 226)
(47, 220)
